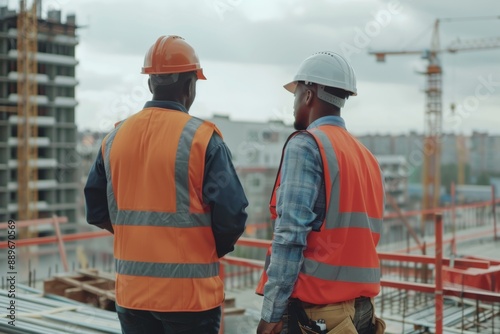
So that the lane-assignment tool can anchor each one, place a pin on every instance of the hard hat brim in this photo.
(200, 75)
(291, 86)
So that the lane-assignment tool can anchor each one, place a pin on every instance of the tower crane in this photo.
(431, 178)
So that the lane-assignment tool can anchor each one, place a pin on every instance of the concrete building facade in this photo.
(57, 161)
(256, 151)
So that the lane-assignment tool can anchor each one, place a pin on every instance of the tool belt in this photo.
(300, 323)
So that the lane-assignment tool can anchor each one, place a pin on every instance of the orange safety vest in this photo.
(165, 253)
(341, 261)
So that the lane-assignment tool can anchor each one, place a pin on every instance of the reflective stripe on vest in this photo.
(340, 261)
(340, 273)
(167, 270)
(165, 255)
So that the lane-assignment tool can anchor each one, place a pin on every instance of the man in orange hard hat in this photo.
(328, 201)
(164, 184)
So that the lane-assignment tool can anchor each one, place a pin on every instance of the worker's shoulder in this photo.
(203, 122)
(216, 135)
(301, 140)
(300, 135)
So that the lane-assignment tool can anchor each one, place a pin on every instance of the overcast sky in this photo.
(250, 48)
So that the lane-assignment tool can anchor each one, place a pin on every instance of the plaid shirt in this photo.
(301, 209)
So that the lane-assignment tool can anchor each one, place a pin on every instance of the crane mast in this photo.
(431, 171)
(27, 112)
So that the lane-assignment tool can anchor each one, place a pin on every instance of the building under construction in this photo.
(38, 163)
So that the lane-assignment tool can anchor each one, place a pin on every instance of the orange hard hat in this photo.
(171, 54)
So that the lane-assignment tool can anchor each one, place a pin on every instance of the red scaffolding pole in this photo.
(439, 273)
(493, 210)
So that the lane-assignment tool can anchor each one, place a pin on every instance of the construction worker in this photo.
(164, 184)
(322, 270)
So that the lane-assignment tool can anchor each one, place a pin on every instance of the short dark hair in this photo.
(170, 81)
(162, 85)
(339, 92)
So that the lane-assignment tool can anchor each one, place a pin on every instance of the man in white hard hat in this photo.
(323, 271)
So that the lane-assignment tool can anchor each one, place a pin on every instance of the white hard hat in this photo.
(325, 69)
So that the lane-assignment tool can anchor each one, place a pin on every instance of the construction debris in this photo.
(96, 288)
(89, 286)
(50, 314)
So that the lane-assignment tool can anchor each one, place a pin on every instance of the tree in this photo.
(483, 179)
(449, 174)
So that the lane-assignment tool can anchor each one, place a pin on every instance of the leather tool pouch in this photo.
(378, 326)
(298, 321)
(377, 323)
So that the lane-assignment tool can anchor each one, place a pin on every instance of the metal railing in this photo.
(427, 273)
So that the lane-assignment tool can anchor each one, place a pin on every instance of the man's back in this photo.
(155, 162)
(149, 148)
(361, 185)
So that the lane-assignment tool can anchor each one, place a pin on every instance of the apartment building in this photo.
(57, 162)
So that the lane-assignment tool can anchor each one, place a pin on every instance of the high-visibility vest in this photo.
(165, 252)
(340, 260)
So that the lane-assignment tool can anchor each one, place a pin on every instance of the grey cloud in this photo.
(304, 27)
(300, 28)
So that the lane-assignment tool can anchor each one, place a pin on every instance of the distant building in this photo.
(484, 154)
(395, 171)
(256, 148)
(57, 161)
(495, 182)
(480, 150)
(253, 144)
(472, 193)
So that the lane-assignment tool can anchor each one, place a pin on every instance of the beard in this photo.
(297, 126)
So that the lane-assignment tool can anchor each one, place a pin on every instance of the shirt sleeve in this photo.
(222, 190)
(301, 184)
(96, 201)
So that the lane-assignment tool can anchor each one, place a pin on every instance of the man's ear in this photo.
(187, 89)
(309, 97)
(149, 85)
(190, 85)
